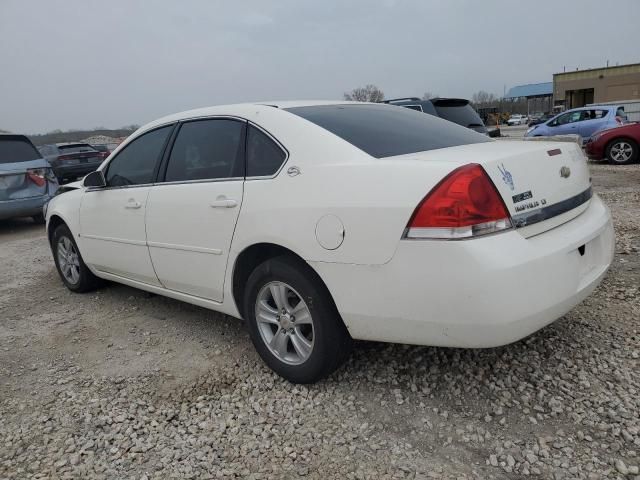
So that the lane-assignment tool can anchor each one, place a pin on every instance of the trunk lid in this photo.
(15, 182)
(543, 184)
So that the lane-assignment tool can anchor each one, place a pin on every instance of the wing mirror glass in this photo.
(94, 180)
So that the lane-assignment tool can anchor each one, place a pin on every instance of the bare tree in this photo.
(370, 93)
(483, 99)
(429, 95)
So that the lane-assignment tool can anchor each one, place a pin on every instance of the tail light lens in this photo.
(62, 158)
(464, 204)
(37, 176)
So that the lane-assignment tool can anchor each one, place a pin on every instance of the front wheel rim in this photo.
(284, 322)
(68, 260)
(621, 152)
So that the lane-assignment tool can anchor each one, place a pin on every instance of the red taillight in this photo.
(37, 176)
(62, 158)
(465, 204)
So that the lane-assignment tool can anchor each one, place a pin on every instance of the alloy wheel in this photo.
(284, 322)
(68, 260)
(621, 152)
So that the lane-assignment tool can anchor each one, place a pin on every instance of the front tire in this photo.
(72, 270)
(622, 151)
(293, 322)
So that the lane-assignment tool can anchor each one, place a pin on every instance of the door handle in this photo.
(133, 204)
(223, 202)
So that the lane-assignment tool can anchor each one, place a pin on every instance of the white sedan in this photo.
(517, 120)
(323, 222)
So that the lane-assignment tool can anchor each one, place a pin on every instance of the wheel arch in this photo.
(622, 137)
(54, 222)
(252, 256)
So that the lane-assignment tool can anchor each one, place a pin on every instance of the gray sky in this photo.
(87, 63)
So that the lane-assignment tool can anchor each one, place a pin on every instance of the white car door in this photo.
(192, 213)
(112, 219)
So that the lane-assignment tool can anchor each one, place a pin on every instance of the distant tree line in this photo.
(58, 136)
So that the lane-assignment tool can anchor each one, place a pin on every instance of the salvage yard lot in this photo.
(124, 384)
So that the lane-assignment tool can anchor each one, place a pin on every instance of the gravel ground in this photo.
(121, 384)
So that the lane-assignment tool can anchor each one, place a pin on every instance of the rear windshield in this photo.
(385, 130)
(17, 149)
(459, 112)
(76, 147)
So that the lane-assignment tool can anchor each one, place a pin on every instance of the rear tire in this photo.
(72, 270)
(293, 321)
(622, 151)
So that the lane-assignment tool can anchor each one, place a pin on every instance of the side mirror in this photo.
(94, 180)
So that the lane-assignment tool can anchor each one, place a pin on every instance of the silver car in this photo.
(27, 181)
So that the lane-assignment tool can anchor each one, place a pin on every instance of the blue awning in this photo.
(531, 90)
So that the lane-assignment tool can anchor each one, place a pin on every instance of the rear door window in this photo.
(207, 149)
(264, 156)
(384, 131)
(136, 163)
(16, 148)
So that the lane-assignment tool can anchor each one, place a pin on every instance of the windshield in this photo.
(385, 130)
(16, 148)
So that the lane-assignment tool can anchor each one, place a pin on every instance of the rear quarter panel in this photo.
(373, 198)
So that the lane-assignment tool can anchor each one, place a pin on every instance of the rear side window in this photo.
(17, 148)
(264, 156)
(385, 130)
(207, 149)
(136, 163)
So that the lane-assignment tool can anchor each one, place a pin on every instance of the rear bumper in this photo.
(477, 293)
(77, 170)
(23, 207)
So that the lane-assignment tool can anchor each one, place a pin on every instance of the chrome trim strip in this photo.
(140, 243)
(202, 180)
(545, 213)
(186, 248)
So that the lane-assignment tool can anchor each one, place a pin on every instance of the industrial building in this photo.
(596, 85)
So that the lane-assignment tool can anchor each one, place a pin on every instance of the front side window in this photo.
(207, 149)
(264, 156)
(136, 163)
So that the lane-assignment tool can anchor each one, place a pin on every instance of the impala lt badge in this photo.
(565, 172)
(507, 177)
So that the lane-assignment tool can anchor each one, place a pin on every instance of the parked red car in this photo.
(619, 145)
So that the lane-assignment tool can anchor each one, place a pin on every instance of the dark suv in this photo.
(72, 160)
(456, 110)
